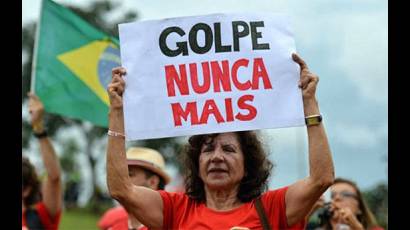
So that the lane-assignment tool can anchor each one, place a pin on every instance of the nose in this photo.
(336, 197)
(217, 155)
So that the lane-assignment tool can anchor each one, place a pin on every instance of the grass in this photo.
(78, 219)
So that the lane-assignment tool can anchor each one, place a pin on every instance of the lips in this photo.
(217, 170)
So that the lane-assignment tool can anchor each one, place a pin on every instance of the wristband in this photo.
(313, 120)
(115, 134)
(40, 135)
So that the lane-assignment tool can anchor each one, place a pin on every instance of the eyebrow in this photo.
(205, 145)
(208, 144)
(345, 192)
(230, 145)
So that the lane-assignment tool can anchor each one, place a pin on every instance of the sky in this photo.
(345, 44)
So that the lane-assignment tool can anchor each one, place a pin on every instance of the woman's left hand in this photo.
(308, 81)
(346, 216)
(349, 218)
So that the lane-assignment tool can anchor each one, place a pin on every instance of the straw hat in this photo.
(148, 159)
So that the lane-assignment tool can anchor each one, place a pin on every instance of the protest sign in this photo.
(206, 74)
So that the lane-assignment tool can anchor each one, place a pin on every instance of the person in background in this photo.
(41, 203)
(347, 209)
(145, 168)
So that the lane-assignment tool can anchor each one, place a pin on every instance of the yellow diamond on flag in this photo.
(92, 64)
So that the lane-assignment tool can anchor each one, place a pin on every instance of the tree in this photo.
(96, 15)
(377, 199)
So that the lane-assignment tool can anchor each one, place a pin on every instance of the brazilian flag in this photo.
(72, 65)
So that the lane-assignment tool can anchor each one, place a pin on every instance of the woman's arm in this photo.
(143, 203)
(51, 188)
(303, 194)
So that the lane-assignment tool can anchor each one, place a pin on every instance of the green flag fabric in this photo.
(72, 65)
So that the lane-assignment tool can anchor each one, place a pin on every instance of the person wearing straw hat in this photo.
(146, 167)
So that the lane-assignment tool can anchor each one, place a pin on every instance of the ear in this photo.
(153, 182)
(26, 191)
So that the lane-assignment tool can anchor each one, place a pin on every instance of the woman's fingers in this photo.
(118, 70)
(310, 87)
(116, 88)
(305, 75)
(305, 79)
(308, 81)
(32, 96)
(117, 84)
(117, 74)
(115, 97)
(347, 215)
(300, 61)
(336, 215)
(118, 78)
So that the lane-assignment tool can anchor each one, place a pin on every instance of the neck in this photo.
(222, 200)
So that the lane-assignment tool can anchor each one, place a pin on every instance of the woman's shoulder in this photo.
(274, 199)
(174, 197)
(275, 193)
(172, 194)
(275, 206)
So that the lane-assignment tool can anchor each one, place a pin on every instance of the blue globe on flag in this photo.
(108, 60)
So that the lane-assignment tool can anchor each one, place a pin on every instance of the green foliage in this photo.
(26, 132)
(99, 203)
(169, 147)
(67, 159)
(97, 13)
(377, 199)
(27, 44)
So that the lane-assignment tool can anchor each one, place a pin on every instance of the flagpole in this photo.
(34, 59)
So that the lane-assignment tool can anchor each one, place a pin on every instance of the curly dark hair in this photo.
(31, 180)
(257, 166)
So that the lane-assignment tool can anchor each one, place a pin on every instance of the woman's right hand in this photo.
(36, 110)
(116, 88)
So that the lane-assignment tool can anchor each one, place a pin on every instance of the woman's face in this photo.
(221, 163)
(344, 195)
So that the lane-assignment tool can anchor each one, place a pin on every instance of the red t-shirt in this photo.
(116, 219)
(40, 217)
(181, 212)
(377, 228)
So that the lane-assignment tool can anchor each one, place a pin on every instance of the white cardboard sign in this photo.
(207, 74)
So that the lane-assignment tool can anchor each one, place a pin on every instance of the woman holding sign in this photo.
(226, 175)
